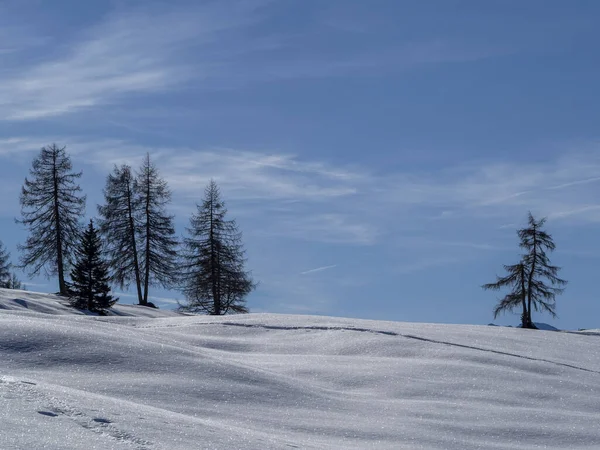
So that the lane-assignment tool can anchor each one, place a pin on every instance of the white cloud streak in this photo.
(318, 269)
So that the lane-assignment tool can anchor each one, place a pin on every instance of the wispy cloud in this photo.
(334, 203)
(295, 193)
(575, 183)
(318, 269)
(254, 175)
(499, 189)
(412, 242)
(244, 175)
(20, 145)
(328, 228)
(137, 51)
(151, 49)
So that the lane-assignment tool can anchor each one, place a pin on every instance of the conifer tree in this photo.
(51, 208)
(89, 288)
(119, 226)
(536, 242)
(5, 266)
(213, 276)
(528, 280)
(156, 232)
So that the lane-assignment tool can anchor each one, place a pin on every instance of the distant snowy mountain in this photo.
(540, 325)
(545, 326)
(153, 379)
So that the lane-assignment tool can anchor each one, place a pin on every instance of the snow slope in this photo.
(152, 379)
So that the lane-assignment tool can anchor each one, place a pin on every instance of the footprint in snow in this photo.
(101, 420)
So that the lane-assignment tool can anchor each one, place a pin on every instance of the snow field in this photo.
(152, 379)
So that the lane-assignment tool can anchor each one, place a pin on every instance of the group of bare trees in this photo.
(532, 282)
(136, 243)
(135, 240)
(139, 234)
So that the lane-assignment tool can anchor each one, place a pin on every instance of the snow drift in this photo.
(153, 379)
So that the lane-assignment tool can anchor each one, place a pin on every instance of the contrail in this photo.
(318, 269)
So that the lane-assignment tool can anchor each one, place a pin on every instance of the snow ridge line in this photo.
(498, 352)
(408, 336)
(314, 327)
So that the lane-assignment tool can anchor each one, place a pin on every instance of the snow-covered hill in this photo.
(151, 379)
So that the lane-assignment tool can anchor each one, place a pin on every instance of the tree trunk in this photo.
(136, 268)
(62, 287)
(213, 264)
(524, 316)
(530, 281)
(147, 271)
(90, 274)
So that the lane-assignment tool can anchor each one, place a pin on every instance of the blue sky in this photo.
(378, 156)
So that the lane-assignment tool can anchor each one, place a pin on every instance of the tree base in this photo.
(149, 305)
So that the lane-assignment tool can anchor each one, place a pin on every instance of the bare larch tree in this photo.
(51, 208)
(119, 226)
(213, 276)
(156, 232)
(528, 280)
(536, 242)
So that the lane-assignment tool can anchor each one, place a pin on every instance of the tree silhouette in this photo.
(119, 226)
(528, 279)
(156, 231)
(5, 266)
(51, 207)
(213, 276)
(536, 242)
(89, 287)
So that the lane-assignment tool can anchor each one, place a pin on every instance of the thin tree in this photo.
(540, 295)
(213, 258)
(156, 233)
(516, 280)
(51, 208)
(14, 283)
(8, 279)
(5, 266)
(89, 288)
(119, 227)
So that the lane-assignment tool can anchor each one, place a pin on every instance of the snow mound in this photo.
(268, 381)
(33, 302)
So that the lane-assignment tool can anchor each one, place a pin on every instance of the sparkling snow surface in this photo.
(152, 379)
